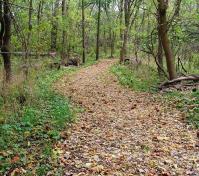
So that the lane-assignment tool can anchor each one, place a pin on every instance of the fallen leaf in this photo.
(15, 159)
(98, 169)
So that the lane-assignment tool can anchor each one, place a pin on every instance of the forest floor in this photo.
(122, 132)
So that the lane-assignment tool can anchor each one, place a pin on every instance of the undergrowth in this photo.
(146, 79)
(187, 102)
(143, 78)
(31, 121)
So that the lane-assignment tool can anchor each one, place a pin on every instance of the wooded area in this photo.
(150, 46)
(133, 28)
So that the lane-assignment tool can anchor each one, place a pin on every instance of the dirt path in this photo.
(123, 133)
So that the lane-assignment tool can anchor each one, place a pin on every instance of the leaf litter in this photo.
(121, 132)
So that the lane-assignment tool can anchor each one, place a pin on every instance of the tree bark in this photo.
(162, 11)
(83, 33)
(105, 42)
(112, 43)
(64, 31)
(160, 57)
(197, 6)
(54, 26)
(39, 15)
(29, 21)
(5, 38)
(2, 24)
(98, 30)
(124, 46)
(160, 51)
(27, 45)
(129, 7)
(121, 27)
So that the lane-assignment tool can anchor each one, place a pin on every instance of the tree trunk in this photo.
(197, 6)
(27, 45)
(2, 24)
(29, 22)
(160, 57)
(121, 29)
(148, 33)
(39, 15)
(98, 30)
(105, 42)
(127, 16)
(160, 51)
(83, 34)
(162, 11)
(124, 46)
(112, 44)
(5, 38)
(63, 54)
(54, 26)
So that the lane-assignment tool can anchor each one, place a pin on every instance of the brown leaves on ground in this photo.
(123, 133)
(15, 159)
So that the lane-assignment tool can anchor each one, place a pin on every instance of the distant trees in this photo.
(103, 28)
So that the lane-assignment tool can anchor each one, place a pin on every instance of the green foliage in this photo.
(193, 112)
(38, 124)
(193, 64)
(188, 103)
(30, 129)
(142, 78)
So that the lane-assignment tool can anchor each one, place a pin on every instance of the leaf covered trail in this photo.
(121, 132)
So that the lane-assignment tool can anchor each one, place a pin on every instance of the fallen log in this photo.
(178, 80)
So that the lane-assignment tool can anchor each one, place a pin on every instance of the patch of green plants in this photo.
(90, 60)
(193, 65)
(187, 102)
(32, 119)
(142, 78)
(194, 110)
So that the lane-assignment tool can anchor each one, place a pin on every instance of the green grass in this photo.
(145, 79)
(90, 61)
(136, 79)
(194, 110)
(28, 131)
(187, 102)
